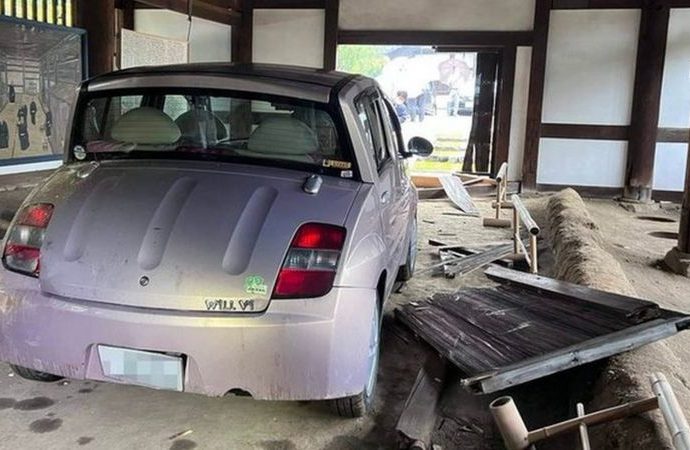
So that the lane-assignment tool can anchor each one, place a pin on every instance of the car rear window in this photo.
(197, 125)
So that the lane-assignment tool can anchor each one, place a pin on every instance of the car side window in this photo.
(371, 122)
(389, 131)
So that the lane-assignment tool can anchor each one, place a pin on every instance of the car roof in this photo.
(307, 80)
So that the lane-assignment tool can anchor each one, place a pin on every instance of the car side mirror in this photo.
(419, 146)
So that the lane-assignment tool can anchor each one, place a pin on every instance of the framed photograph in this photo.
(41, 66)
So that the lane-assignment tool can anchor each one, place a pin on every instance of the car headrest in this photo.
(145, 126)
(283, 135)
(194, 121)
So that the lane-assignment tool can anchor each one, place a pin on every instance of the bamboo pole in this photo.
(584, 434)
(672, 412)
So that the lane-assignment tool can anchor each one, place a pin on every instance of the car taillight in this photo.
(23, 247)
(311, 262)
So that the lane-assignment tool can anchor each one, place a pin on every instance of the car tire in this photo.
(362, 404)
(34, 375)
(406, 271)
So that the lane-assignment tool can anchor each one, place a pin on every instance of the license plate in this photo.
(154, 370)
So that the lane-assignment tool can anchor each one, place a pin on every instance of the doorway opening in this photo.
(446, 95)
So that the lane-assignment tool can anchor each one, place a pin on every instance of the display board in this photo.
(41, 66)
(140, 49)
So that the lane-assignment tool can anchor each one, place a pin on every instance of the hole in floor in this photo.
(658, 219)
(664, 235)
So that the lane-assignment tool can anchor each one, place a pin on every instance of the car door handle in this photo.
(385, 197)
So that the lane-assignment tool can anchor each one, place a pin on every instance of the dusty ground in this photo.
(100, 415)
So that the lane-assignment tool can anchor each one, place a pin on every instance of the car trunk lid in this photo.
(177, 237)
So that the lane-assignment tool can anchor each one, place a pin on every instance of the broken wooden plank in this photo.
(632, 309)
(457, 193)
(418, 418)
(470, 263)
(504, 336)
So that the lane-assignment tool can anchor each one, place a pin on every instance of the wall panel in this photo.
(669, 165)
(475, 15)
(519, 115)
(581, 162)
(208, 42)
(289, 36)
(590, 69)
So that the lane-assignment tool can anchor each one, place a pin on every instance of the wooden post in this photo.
(330, 35)
(542, 15)
(98, 18)
(243, 35)
(678, 258)
(506, 80)
(127, 14)
(644, 118)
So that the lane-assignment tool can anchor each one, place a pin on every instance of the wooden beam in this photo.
(202, 9)
(651, 52)
(330, 35)
(672, 135)
(504, 107)
(542, 15)
(127, 8)
(580, 131)
(98, 19)
(242, 35)
(290, 4)
(417, 37)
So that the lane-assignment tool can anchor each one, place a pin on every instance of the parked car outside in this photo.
(216, 229)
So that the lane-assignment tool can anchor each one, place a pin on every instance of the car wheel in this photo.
(34, 375)
(406, 271)
(362, 404)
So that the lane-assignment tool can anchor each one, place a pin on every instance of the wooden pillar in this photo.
(542, 15)
(127, 14)
(97, 17)
(330, 35)
(477, 155)
(243, 35)
(504, 107)
(678, 259)
(644, 118)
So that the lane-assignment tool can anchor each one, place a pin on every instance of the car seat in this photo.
(194, 121)
(283, 138)
(148, 128)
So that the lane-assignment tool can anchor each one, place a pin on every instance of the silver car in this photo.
(216, 229)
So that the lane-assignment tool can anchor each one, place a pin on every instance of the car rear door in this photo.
(385, 182)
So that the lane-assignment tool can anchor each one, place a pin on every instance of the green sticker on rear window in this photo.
(255, 285)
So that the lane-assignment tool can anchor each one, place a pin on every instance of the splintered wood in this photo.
(533, 327)
(456, 192)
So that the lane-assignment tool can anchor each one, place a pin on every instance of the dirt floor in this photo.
(99, 415)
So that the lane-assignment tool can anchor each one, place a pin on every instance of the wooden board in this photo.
(470, 263)
(417, 420)
(633, 310)
(500, 337)
(457, 193)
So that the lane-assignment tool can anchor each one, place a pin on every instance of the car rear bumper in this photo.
(296, 350)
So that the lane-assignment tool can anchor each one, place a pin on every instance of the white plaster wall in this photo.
(590, 67)
(675, 94)
(289, 36)
(669, 163)
(476, 15)
(208, 42)
(518, 120)
(669, 166)
(582, 162)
